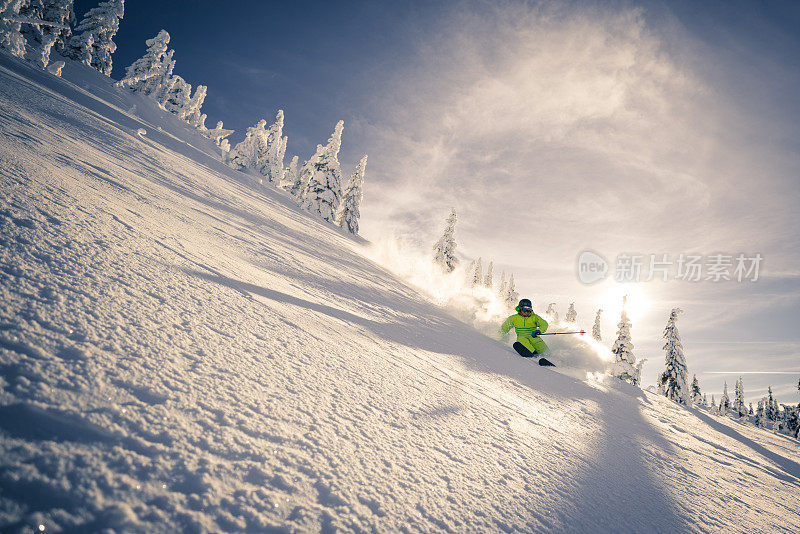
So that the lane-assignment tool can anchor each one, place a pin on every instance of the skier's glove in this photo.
(536, 333)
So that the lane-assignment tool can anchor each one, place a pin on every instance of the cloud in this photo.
(572, 118)
(541, 111)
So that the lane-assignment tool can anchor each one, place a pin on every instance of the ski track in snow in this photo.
(179, 351)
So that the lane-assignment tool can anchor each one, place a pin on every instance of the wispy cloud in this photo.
(544, 113)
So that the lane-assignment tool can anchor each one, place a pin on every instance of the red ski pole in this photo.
(562, 333)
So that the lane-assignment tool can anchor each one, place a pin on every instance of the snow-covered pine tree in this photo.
(306, 171)
(29, 11)
(775, 408)
(552, 313)
(61, 12)
(276, 149)
(724, 401)
(713, 402)
(80, 47)
(11, 38)
(160, 86)
(251, 151)
(705, 399)
(637, 374)
(771, 408)
(738, 401)
(791, 420)
(512, 297)
(353, 195)
(192, 113)
(468, 272)
(674, 377)
(200, 123)
(57, 18)
(279, 159)
(299, 185)
(572, 315)
(477, 275)
(263, 149)
(759, 420)
(150, 65)
(596, 328)
(488, 280)
(750, 410)
(94, 45)
(217, 134)
(322, 193)
(501, 291)
(177, 98)
(697, 397)
(444, 251)
(784, 418)
(290, 176)
(624, 366)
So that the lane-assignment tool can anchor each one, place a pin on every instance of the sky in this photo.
(639, 128)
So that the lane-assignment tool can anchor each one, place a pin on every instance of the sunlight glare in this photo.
(636, 305)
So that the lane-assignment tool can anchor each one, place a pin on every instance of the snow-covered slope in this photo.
(181, 352)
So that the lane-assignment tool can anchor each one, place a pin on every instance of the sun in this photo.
(636, 303)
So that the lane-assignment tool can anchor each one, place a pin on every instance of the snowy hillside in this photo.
(181, 352)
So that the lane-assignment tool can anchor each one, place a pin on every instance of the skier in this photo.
(528, 326)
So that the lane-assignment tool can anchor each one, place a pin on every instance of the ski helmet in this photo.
(525, 304)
